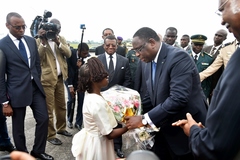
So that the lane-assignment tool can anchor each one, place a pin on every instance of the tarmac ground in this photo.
(59, 152)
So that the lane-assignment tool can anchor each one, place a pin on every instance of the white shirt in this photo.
(114, 58)
(16, 42)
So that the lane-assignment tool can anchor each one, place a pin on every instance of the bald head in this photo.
(219, 37)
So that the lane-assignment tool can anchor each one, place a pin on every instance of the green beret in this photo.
(198, 38)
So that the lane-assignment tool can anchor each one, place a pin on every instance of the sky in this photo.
(125, 17)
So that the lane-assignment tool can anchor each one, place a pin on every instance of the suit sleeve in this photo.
(180, 73)
(128, 77)
(3, 90)
(64, 48)
(217, 63)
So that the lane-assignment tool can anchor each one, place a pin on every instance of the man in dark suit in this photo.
(213, 50)
(20, 61)
(74, 63)
(219, 139)
(100, 49)
(120, 75)
(173, 89)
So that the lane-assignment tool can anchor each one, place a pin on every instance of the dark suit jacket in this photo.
(220, 139)
(72, 69)
(19, 84)
(218, 73)
(176, 91)
(120, 50)
(122, 73)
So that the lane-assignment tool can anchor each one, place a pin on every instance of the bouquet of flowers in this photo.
(123, 101)
(127, 102)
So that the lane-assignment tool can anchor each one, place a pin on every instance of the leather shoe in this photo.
(65, 133)
(8, 148)
(55, 141)
(42, 156)
(78, 127)
(120, 153)
(70, 125)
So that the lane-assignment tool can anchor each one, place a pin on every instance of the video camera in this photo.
(42, 22)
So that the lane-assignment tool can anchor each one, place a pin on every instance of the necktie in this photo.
(195, 58)
(111, 67)
(212, 52)
(153, 70)
(23, 51)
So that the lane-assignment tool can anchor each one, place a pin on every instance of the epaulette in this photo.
(227, 44)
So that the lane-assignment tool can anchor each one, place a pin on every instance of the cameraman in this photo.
(53, 53)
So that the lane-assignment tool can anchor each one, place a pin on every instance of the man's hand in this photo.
(42, 36)
(133, 122)
(7, 110)
(79, 63)
(186, 124)
(56, 40)
(72, 92)
(17, 155)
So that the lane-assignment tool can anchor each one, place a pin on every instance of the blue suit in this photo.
(220, 139)
(23, 88)
(176, 91)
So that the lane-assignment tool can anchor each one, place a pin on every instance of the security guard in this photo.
(133, 61)
(202, 60)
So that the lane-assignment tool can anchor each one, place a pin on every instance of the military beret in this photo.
(119, 38)
(198, 38)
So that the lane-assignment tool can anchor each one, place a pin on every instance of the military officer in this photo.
(133, 61)
(202, 60)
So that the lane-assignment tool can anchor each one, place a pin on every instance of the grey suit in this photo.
(23, 88)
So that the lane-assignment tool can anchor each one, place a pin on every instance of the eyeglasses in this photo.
(108, 45)
(19, 27)
(220, 8)
(141, 48)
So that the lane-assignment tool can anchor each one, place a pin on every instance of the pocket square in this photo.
(122, 68)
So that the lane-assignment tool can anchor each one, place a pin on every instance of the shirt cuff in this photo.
(151, 123)
(70, 86)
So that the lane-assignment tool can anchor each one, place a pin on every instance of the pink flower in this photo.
(116, 109)
(136, 103)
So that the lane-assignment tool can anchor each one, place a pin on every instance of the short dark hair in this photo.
(185, 35)
(146, 33)
(172, 29)
(107, 29)
(111, 37)
(83, 47)
(92, 71)
(12, 14)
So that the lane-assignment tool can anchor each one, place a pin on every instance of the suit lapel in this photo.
(13, 47)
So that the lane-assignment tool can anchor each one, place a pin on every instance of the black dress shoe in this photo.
(65, 133)
(69, 124)
(8, 148)
(78, 127)
(55, 141)
(120, 153)
(42, 156)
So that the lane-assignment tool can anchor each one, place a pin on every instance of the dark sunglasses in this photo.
(19, 27)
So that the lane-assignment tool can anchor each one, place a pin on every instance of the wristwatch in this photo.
(144, 121)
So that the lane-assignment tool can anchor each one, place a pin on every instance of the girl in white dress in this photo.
(95, 140)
